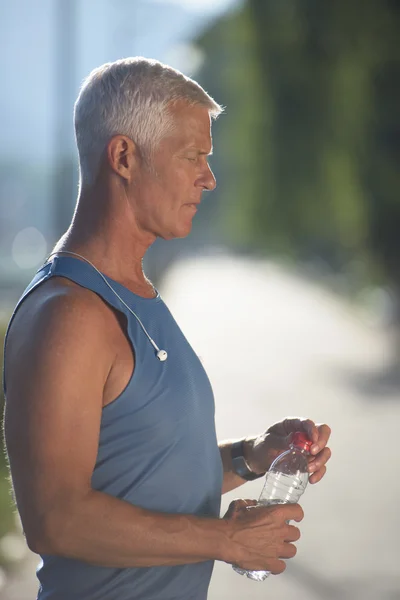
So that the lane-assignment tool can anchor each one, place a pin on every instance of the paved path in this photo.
(276, 345)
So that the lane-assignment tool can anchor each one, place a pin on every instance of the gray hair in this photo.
(130, 97)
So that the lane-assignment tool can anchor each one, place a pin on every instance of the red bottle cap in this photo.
(301, 440)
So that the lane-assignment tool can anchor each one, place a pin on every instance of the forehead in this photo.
(192, 127)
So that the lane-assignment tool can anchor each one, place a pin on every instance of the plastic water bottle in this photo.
(285, 482)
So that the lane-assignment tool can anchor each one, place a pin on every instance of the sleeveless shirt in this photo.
(157, 448)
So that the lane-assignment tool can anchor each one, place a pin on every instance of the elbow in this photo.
(54, 532)
(43, 544)
(36, 545)
(45, 539)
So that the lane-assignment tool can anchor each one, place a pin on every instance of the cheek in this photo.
(185, 173)
(174, 184)
(180, 184)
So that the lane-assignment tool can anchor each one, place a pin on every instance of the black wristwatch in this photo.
(239, 464)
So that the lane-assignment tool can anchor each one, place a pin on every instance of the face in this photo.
(168, 196)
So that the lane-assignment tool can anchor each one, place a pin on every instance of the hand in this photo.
(260, 536)
(261, 451)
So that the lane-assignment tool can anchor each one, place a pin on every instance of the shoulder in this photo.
(61, 303)
(60, 313)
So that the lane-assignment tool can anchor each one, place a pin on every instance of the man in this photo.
(109, 415)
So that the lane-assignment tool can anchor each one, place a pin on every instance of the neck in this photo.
(105, 231)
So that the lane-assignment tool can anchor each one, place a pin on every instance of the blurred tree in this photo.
(232, 74)
(311, 148)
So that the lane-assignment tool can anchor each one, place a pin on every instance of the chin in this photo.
(182, 232)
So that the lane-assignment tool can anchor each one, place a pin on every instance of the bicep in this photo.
(55, 374)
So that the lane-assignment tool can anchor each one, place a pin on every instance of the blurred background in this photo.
(293, 262)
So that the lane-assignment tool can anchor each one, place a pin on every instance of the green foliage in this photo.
(7, 507)
(233, 76)
(311, 148)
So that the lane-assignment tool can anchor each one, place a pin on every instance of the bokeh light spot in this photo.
(29, 248)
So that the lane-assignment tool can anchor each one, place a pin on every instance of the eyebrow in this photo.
(200, 152)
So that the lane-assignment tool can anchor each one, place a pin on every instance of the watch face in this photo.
(239, 465)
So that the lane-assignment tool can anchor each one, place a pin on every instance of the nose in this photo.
(209, 182)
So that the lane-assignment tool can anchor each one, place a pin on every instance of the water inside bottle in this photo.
(284, 484)
(279, 488)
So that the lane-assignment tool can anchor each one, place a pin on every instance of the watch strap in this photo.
(239, 464)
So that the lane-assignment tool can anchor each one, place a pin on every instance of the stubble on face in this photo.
(178, 174)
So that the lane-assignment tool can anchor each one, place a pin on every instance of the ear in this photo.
(122, 156)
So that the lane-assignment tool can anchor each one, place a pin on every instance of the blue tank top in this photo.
(157, 448)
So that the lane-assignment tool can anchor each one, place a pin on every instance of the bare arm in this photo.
(59, 356)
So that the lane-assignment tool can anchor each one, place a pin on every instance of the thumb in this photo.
(237, 505)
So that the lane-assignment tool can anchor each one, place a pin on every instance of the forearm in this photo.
(106, 531)
(231, 479)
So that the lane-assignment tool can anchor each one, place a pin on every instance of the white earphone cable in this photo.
(161, 354)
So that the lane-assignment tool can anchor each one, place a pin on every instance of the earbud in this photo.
(162, 355)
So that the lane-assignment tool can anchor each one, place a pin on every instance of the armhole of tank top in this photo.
(134, 374)
(119, 310)
(126, 333)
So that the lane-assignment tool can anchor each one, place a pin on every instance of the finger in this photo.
(276, 566)
(292, 424)
(288, 551)
(230, 511)
(300, 424)
(234, 507)
(319, 461)
(259, 510)
(241, 502)
(234, 503)
(292, 533)
(318, 475)
(250, 502)
(286, 427)
(324, 432)
(311, 429)
(289, 512)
